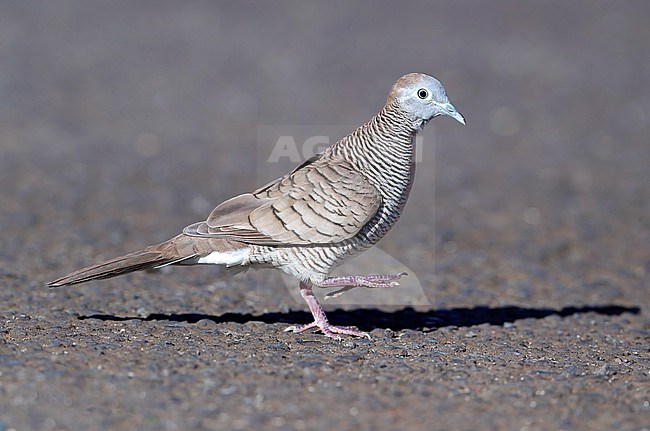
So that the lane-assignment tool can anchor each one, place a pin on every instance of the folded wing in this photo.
(318, 203)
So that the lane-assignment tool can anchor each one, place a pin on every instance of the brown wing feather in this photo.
(318, 203)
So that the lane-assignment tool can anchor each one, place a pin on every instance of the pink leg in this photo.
(320, 319)
(369, 281)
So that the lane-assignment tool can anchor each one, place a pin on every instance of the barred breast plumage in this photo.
(333, 206)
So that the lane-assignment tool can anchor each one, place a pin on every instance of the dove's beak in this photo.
(450, 111)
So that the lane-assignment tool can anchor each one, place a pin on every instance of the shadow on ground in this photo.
(406, 318)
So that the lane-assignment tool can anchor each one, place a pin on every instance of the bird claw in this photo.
(378, 281)
(375, 285)
(331, 295)
(331, 331)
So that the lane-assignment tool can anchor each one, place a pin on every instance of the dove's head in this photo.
(422, 97)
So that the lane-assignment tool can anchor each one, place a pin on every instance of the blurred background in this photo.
(122, 122)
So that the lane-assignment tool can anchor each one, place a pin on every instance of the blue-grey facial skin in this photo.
(424, 97)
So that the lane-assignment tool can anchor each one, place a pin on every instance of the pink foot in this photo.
(320, 319)
(331, 331)
(381, 281)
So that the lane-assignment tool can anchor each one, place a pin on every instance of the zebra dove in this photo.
(330, 208)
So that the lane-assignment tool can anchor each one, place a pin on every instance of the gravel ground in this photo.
(526, 237)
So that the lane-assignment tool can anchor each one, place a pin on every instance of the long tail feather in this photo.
(180, 250)
(143, 259)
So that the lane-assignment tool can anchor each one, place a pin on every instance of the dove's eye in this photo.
(422, 93)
